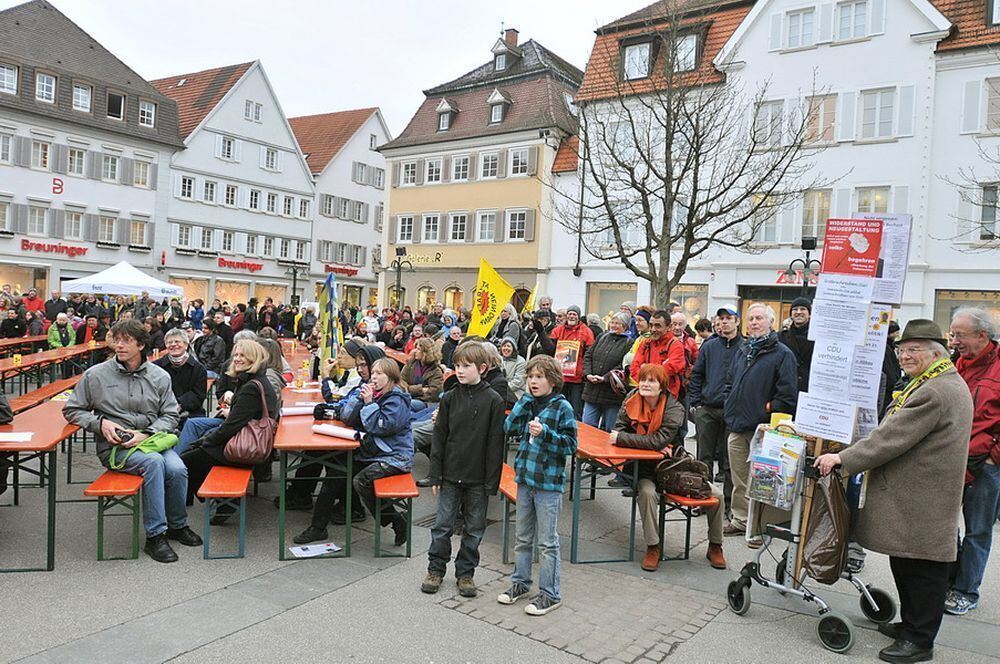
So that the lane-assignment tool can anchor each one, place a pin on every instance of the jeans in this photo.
(597, 415)
(574, 394)
(981, 509)
(211, 374)
(472, 501)
(537, 520)
(195, 428)
(423, 434)
(164, 489)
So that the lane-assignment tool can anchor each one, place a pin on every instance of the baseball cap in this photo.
(728, 309)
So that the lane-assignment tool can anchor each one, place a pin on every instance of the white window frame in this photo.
(464, 216)
(816, 207)
(511, 233)
(83, 97)
(272, 203)
(227, 148)
(5, 220)
(360, 172)
(110, 167)
(209, 191)
(231, 197)
(379, 179)
(147, 113)
(254, 201)
(248, 110)
(228, 243)
(8, 78)
(137, 232)
(41, 155)
(258, 112)
(517, 158)
(482, 217)
(33, 218)
(438, 165)
(494, 159)
(303, 208)
(458, 175)
(76, 162)
(288, 206)
(140, 173)
(872, 193)
(73, 227)
(379, 220)
(405, 222)
(207, 240)
(800, 31)
(284, 247)
(881, 114)
(46, 86)
(184, 236)
(124, 97)
(268, 246)
(500, 62)
(988, 213)
(425, 225)
(636, 61)
(300, 250)
(444, 121)
(408, 174)
(686, 53)
(851, 11)
(372, 141)
(251, 245)
(767, 230)
(106, 229)
(271, 159)
(496, 113)
(769, 123)
(187, 187)
(822, 110)
(6, 146)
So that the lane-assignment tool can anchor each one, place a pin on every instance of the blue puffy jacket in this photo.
(385, 423)
(770, 379)
(709, 385)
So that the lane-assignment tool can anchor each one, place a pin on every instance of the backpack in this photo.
(683, 475)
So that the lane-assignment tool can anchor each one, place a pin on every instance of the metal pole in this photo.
(805, 276)
(399, 281)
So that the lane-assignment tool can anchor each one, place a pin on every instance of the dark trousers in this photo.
(713, 444)
(307, 476)
(199, 464)
(472, 501)
(363, 492)
(922, 585)
(574, 394)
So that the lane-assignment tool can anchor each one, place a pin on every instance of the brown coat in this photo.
(429, 389)
(917, 461)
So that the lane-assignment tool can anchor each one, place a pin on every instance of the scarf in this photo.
(931, 372)
(645, 420)
(178, 361)
(756, 344)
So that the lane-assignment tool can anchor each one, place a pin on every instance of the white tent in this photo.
(122, 279)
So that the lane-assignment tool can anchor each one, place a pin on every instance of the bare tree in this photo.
(976, 224)
(683, 160)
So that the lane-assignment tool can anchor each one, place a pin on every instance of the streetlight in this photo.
(293, 271)
(400, 264)
(810, 265)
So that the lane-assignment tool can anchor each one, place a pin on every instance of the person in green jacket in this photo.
(61, 333)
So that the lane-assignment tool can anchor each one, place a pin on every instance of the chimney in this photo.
(510, 37)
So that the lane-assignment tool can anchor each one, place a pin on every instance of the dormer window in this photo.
(496, 113)
(500, 62)
(505, 50)
(444, 121)
(446, 110)
(636, 61)
(499, 103)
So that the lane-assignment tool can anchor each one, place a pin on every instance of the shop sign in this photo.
(796, 280)
(54, 248)
(425, 258)
(241, 265)
(336, 269)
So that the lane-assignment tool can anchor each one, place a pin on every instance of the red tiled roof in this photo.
(970, 27)
(200, 92)
(716, 23)
(322, 136)
(566, 155)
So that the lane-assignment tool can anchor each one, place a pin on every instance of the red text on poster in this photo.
(852, 246)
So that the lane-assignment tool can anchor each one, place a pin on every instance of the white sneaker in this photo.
(541, 605)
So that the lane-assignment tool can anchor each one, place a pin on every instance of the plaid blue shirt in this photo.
(540, 462)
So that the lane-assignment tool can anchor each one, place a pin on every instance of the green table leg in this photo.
(575, 538)
(349, 485)
(282, 474)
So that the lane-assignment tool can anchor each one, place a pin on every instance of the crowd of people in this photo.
(639, 373)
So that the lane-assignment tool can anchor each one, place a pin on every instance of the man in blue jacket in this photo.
(763, 379)
(707, 393)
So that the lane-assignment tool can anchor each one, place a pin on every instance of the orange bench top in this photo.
(44, 393)
(508, 485)
(113, 483)
(396, 486)
(685, 501)
(226, 482)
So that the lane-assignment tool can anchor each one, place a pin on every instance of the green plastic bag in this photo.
(158, 442)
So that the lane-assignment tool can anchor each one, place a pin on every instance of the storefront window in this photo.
(605, 298)
(426, 296)
(372, 297)
(351, 295)
(453, 296)
(693, 299)
(193, 288)
(777, 297)
(232, 292)
(396, 299)
(23, 278)
(947, 302)
(276, 292)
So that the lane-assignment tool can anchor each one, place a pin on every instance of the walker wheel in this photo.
(738, 596)
(835, 632)
(886, 610)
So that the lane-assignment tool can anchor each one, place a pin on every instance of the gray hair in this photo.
(593, 319)
(939, 351)
(622, 318)
(496, 359)
(245, 334)
(768, 311)
(980, 319)
(176, 333)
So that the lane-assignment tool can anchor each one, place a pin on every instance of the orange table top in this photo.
(21, 341)
(48, 356)
(47, 424)
(295, 434)
(399, 356)
(592, 443)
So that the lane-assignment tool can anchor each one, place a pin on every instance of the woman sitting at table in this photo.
(422, 374)
(35, 322)
(13, 326)
(648, 419)
(249, 370)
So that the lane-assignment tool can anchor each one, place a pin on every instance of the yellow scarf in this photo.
(932, 371)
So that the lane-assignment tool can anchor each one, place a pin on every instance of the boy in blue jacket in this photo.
(545, 422)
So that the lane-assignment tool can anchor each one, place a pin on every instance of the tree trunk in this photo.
(661, 292)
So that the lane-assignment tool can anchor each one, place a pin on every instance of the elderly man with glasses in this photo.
(188, 378)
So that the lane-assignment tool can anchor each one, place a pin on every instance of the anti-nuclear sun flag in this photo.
(492, 294)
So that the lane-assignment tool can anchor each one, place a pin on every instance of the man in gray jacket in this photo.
(122, 402)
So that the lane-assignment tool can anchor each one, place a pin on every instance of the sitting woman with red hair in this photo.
(649, 419)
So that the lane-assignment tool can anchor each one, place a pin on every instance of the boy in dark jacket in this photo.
(466, 460)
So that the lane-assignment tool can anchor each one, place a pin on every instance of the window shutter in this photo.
(94, 164)
(238, 150)
(776, 31)
(846, 116)
(972, 107)
(90, 224)
(19, 217)
(843, 203)
(471, 226)
(218, 145)
(395, 174)
(420, 171)
(150, 233)
(365, 212)
(21, 151)
(127, 171)
(418, 223)
(500, 226)
(900, 202)
(123, 230)
(354, 173)
(967, 216)
(825, 23)
(393, 228)
(60, 158)
(443, 222)
(877, 24)
(362, 256)
(58, 228)
(786, 224)
(529, 226)
(175, 234)
(533, 160)
(473, 164)
(153, 174)
(502, 164)
(445, 169)
(904, 125)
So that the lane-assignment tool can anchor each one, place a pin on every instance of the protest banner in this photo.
(492, 294)
(893, 257)
(852, 246)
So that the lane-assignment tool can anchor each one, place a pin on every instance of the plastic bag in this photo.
(825, 549)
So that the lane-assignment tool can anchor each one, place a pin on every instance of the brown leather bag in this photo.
(253, 443)
(683, 475)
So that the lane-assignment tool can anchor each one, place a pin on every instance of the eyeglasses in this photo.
(958, 336)
(910, 351)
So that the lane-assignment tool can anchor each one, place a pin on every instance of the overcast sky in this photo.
(327, 55)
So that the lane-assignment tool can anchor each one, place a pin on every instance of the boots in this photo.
(715, 556)
(651, 562)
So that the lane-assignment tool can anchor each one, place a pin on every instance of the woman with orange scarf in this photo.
(649, 419)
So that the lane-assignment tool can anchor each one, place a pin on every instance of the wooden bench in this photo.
(399, 490)
(689, 508)
(225, 486)
(508, 493)
(43, 394)
(113, 489)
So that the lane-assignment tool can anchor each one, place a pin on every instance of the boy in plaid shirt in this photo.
(544, 420)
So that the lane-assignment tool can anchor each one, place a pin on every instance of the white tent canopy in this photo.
(122, 279)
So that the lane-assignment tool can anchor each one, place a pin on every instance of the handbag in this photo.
(253, 443)
(158, 442)
(683, 475)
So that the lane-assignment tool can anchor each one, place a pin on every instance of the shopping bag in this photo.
(158, 442)
(825, 549)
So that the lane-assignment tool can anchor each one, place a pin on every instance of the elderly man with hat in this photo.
(917, 459)
(796, 337)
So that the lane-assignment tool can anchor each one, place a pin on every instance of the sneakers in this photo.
(466, 586)
(512, 594)
(651, 562)
(185, 536)
(432, 583)
(958, 604)
(310, 534)
(159, 549)
(715, 556)
(541, 605)
(755, 542)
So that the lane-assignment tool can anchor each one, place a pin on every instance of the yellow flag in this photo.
(492, 294)
(529, 304)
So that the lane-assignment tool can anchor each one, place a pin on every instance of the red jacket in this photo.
(579, 332)
(37, 304)
(982, 374)
(668, 350)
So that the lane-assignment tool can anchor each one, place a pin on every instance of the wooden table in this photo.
(49, 428)
(14, 343)
(399, 356)
(297, 445)
(36, 363)
(595, 451)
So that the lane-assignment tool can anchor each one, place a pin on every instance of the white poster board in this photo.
(894, 255)
(825, 418)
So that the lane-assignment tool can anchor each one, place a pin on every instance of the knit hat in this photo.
(573, 308)
(511, 341)
(803, 302)
(628, 305)
(643, 314)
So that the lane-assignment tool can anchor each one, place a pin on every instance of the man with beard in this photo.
(796, 338)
